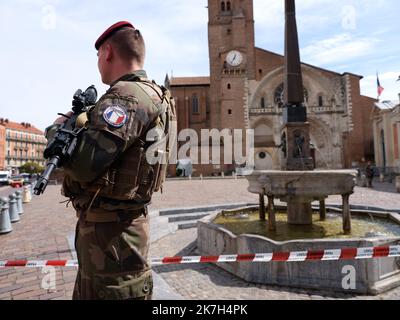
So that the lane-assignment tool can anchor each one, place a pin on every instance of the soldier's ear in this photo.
(109, 52)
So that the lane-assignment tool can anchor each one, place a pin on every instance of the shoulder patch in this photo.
(115, 116)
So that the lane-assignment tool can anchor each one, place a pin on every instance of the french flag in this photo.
(380, 88)
(115, 117)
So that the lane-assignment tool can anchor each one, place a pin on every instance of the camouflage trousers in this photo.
(113, 260)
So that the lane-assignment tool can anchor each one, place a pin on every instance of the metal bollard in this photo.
(29, 189)
(13, 208)
(27, 195)
(5, 221)
(19, 202)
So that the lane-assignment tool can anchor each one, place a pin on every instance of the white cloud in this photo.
(337, 49)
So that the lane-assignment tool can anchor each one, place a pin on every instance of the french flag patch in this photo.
(115, 116)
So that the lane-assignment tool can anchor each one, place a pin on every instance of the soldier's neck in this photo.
(122, 70)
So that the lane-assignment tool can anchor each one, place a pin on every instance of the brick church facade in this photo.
(245, 91)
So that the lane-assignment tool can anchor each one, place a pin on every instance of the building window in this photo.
(223, 6)
(263, 103)
(229, 86)
(260, 71)
(230, 111)
(228, 6)
(320, 101)
(195, 104)
(228, 32)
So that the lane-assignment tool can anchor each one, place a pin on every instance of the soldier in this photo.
(111, 177)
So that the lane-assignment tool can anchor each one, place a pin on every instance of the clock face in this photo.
(234, 58)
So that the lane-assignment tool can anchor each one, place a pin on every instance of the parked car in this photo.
(4, 176)
(16, 181)
(26, 177)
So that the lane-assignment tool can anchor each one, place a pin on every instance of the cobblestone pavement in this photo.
(208, 282)
(44, 229)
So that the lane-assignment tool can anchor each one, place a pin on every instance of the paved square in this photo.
(46, 227)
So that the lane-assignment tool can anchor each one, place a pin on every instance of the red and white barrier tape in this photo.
(294, 256)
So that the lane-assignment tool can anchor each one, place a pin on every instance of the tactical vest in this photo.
(132, 176)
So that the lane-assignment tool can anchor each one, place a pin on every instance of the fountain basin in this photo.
(300, 188)
(372, 276)
(313, 185)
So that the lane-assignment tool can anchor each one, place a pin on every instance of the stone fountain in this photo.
(299, 185)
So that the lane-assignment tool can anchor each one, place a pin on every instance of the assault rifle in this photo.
(61, 147)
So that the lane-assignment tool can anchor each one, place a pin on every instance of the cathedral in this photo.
(245, 91)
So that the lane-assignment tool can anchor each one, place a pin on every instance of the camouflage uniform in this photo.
(110, 184)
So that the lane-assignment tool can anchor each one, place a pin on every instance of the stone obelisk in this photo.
(296, 129)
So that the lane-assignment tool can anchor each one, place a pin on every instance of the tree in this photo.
(31, 167)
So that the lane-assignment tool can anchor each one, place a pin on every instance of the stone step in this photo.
(160, 227)
(186, 217)
(187, 225)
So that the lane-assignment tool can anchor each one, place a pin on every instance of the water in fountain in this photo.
(331, 228)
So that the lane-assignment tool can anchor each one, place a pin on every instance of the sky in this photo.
(47, 49)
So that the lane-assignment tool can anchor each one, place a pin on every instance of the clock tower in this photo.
(232, 60)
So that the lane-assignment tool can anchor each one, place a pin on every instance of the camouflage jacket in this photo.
(109, 161)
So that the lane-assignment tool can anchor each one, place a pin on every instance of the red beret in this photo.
(110, 31)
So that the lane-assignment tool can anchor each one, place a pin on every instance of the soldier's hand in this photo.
(61, 120)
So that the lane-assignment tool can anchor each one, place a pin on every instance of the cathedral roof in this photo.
(190, 81)
(310, 65)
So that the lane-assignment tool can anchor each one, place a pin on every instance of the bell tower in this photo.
(232, 60)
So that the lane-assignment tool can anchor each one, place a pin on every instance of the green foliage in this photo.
(31, 167)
